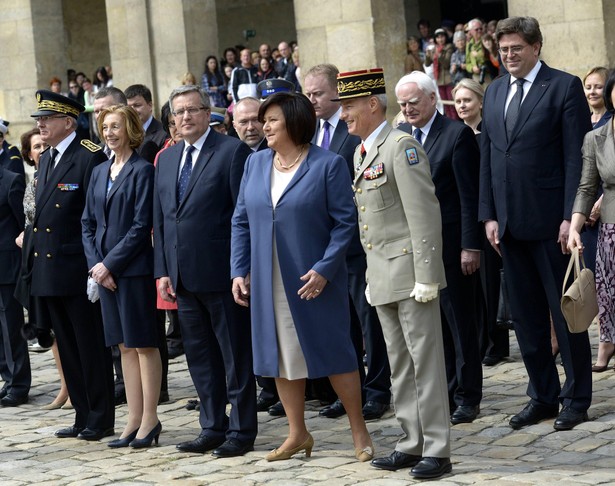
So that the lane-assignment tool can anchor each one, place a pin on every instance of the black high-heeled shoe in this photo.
(147, 440)
(125, 442)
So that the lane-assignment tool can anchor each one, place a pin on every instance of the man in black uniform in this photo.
(59, 272)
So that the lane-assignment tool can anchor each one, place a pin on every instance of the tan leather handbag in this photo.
(579, 303)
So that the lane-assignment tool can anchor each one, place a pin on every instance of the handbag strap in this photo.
(574, 262)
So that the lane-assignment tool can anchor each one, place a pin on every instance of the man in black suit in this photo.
(250, 131)
(60, 271)
(332, 134)
(14, 359)
(139, 97)
(285, 67)
(454, 160)
(197, 183)
(534, 122)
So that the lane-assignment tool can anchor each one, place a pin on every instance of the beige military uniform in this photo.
(401, 232)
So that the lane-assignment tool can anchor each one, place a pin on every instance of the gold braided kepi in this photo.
(354, 84)
(50, 103)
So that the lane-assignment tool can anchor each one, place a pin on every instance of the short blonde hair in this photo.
(472, 85)
(134, 127)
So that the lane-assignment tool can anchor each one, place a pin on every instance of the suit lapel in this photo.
(56, 175)
(434, 133)
(121, 177)
(537, 90)
(500, 95)
(373, 153)
(339, 137)
(205, 154)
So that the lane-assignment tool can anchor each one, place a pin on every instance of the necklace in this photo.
(287, 167)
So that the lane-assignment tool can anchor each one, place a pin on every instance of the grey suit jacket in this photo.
(399, 217)
(598, 157)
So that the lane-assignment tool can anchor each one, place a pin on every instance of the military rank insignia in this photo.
(68, 187)
(373, 172)
(412, 156)
(91, 146)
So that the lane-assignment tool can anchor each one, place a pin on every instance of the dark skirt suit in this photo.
(117, 227)
(313, 223)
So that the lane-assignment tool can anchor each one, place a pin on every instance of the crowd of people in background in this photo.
(114, 177)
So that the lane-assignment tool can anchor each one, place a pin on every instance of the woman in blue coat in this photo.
(293, 222)
(117, 226)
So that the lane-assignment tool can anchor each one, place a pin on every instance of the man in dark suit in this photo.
(332, 134)
(194, 199)
(285, 67)
(14, 359)
(139, 97)
(250, 131)
(534, 121)
(454, 159)
(60, 271)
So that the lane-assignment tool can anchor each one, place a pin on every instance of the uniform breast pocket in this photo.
(379, 194)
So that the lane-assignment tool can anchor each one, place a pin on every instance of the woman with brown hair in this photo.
(117, 226)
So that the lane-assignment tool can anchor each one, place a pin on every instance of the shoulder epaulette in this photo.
(91, 146)
(12, 147)
(401, 137)
(17, 157)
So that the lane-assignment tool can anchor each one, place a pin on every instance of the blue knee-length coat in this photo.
(312, 223)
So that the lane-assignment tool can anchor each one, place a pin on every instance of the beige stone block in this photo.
(317, 51)
(318, 13)
(549, 11)
(576, 10)
(352, 45)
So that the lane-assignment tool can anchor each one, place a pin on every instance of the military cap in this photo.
(268, 87)
(50, 103)
(217, 116)
(355, 84)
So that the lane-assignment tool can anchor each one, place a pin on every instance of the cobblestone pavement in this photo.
(486, 451)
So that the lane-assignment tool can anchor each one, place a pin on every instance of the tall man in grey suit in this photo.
(196, 188)
(534, 121)
(401, 232)
(320, 86)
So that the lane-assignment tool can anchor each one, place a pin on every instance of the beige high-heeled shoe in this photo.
(55, 404)
(365, 454)
(279, 455)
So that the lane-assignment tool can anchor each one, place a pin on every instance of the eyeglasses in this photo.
(191, 111)
(512, 50)
(46, 118)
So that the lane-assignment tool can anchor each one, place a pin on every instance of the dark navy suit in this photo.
(14, 359)
(117, 227)
(454, 161)
(11, 161)
(59, 276)
(192, 247)
(528, 185)
(364, 324)
(155, 136)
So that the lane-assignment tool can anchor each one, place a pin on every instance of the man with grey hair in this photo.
(196, 188)
(60, 271)
(454, 160)
(400, 229)
(247, 125)
(332, 134)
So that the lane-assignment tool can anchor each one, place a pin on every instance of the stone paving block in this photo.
(504, 452)
(516, 440)
(270, 477)
(585, 445)
(321, 474)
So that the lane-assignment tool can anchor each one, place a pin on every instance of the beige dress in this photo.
(291, 361)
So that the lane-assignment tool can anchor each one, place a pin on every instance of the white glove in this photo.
(424, 292)
(368, 296)
(92, 290)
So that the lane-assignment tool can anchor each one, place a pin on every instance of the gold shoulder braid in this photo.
(91, 146)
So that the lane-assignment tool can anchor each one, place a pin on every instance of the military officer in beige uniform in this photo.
(400, 226)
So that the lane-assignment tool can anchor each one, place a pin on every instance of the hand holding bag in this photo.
(579, 303)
